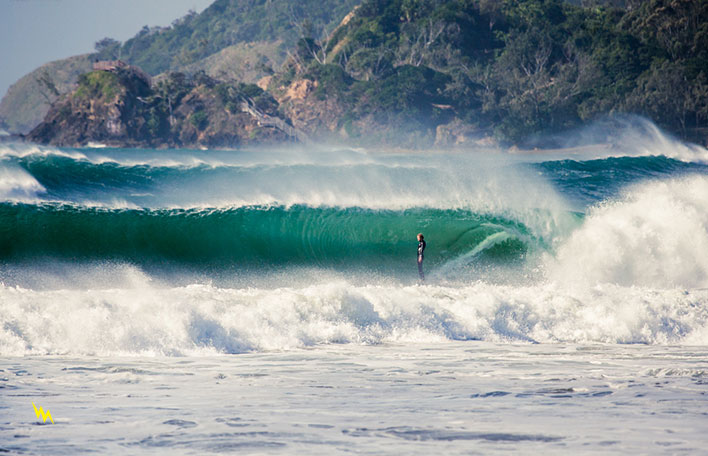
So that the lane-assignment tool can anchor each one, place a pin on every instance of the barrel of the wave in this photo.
(255, 237)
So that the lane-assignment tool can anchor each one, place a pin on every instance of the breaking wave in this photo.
(182, 252)
(200, 319)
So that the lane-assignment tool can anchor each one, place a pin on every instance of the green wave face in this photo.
(259, 236)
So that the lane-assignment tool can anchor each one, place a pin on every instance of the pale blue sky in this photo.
(33, 32)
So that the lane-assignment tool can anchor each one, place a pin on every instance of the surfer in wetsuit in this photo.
(421, 249)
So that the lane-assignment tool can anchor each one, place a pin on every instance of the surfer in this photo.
(421, 249)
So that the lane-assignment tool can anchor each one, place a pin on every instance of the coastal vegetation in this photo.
(518, 68)
(437, 71)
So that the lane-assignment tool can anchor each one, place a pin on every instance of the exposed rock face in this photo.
(119, 108)
(403, 110)
(318, 116)
(299, 90)
(105, 108)
(264, 82)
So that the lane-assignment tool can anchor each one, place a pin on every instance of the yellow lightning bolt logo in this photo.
(43, 414)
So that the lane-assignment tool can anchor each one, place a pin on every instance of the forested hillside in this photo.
(423, 72)
(514, 67)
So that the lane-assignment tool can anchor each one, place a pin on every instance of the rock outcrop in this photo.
(106, 107)
(120, 108)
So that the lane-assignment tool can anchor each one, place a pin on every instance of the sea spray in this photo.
(655, 235)
(286, 178)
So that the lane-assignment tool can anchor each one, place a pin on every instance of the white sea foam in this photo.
(200, 319)
(655, 235)
(631, 272)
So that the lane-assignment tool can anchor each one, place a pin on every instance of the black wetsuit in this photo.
(421, 249)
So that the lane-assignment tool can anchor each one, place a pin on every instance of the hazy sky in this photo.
(33, 32)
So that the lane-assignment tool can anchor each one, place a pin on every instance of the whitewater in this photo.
(266, 301)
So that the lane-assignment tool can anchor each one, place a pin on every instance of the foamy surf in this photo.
(654, 235)
(267, 301)
(203, 319)
(500, 227)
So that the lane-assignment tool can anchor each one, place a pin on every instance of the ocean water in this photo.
(266, 301)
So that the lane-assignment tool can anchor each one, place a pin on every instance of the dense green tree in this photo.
(107, 49)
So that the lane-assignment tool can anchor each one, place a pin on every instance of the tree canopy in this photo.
(520, 67)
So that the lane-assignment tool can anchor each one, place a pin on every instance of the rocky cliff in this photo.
(121, 108)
